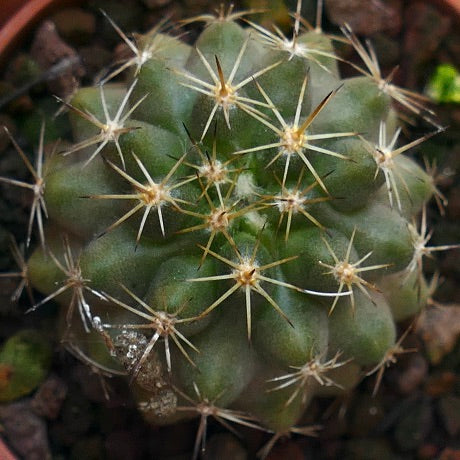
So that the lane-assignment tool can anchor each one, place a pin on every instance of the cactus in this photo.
(231, 228)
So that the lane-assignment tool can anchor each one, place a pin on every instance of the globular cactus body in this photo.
(238, 224)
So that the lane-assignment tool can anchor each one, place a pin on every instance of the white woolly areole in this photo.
(255, 219)
(245, 186)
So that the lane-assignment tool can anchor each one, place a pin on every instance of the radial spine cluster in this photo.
(230, 222)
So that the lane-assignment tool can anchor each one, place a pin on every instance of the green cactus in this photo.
(234, 224)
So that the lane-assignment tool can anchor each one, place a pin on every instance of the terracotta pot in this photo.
(5, 452)
(18, 16)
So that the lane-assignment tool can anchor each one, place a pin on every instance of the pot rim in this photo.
(27, 13)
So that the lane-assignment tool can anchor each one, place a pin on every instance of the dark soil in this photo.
(78, 413)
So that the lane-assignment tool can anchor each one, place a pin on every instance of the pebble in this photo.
(366, 17)
(449, 410)
(440, 383)
(91, 383)
(450, 454)
(95, 58)
(49, 397)
(439, 329)
(154, 4)
(76, 418)
(424, 31)
(49, 49)
(75, 25)
(427, 452)
(413, 375)
(414, 424)
(26, 432)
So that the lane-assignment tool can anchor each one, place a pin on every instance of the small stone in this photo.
(365, 17)
(76, 418)
(95, 59)
(155, 4)
(449, 409)
(49, 397)
(439, 329)
(414, 424)
(440, 384)
(427, 452)
(450, 454)
(94, 386)
(414, 374)
(26, 432)
(426, 28)
(48, 49)
(75, 25)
